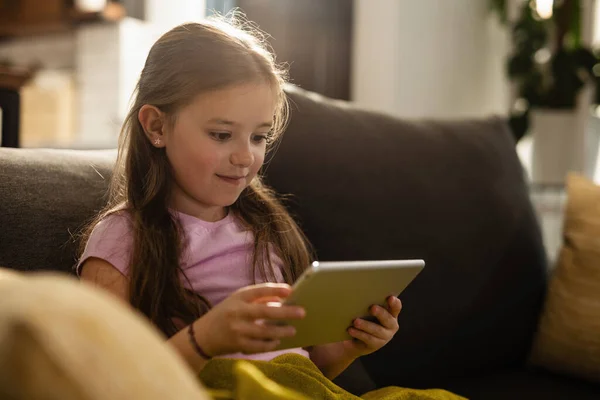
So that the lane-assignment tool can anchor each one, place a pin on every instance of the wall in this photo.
(165, 14)
(109, 59)
(429, 58)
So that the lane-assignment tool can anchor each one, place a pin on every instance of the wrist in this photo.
(333, 352)
(353, 354)
(332, 358)
(195, 336)
(348, 350)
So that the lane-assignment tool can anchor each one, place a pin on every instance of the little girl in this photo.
(190, 235)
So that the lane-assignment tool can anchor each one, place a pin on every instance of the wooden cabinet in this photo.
(33, 17)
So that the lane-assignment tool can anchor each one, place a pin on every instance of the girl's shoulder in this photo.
(114, 222)
(111, 240)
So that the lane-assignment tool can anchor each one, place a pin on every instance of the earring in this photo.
(157, 141)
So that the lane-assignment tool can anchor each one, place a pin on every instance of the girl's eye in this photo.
(264, 137)
(220, 136)
(259, 138)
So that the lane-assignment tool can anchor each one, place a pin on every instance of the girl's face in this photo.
(217, 145)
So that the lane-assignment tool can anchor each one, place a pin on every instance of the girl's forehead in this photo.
(250, 98)
(237, 91)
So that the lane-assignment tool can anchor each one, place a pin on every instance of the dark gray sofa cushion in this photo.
(45, 198)
(369, 186)
(526, 384)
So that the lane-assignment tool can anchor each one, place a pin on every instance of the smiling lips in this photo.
(233, 179)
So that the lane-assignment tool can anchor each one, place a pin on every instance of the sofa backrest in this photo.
(364, 186)
(46, 196)
(369, 186)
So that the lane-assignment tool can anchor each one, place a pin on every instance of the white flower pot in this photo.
(558, 145)
(592, 147)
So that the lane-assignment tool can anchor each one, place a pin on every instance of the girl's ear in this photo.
(153, 123)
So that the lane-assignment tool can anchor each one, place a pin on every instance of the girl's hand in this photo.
(370, 336)
(240, 323)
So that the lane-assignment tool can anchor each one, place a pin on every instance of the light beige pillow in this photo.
(568, 338)
(63, 339)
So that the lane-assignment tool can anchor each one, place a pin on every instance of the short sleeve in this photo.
(112, 241)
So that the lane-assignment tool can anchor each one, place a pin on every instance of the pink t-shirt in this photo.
(217, 260)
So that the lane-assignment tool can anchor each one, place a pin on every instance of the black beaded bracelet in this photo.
(195, 344)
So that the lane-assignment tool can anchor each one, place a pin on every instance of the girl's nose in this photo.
(242, 157)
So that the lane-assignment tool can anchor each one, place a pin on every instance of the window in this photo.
(219, 6)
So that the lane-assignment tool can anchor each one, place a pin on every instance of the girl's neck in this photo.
(186, 205)
(208, 215)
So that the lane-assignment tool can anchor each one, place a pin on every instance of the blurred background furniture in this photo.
(11, 82)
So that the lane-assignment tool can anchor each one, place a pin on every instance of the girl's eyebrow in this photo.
(222, 121)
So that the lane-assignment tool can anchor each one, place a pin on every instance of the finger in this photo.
(373, 329)
(263, 311)
(251, 346)
(395, 306)
(385, 318)
(369, 340)
(251, 293)
(268, 299)
(266, 331)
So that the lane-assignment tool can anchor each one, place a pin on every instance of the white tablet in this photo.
(335, 293)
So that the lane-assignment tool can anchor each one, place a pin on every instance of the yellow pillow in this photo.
(62, 339)
(568, 337)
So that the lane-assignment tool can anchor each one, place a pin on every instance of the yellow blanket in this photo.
(292, 377)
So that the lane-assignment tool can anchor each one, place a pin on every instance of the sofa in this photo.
(364, 185)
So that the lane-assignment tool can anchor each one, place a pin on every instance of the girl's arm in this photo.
(102, 274)
(330, 358)
(230, 327)
(333, 358)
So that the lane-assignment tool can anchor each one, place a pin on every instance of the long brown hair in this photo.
(186, 61)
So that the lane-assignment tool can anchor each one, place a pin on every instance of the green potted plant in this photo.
(550, 68)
